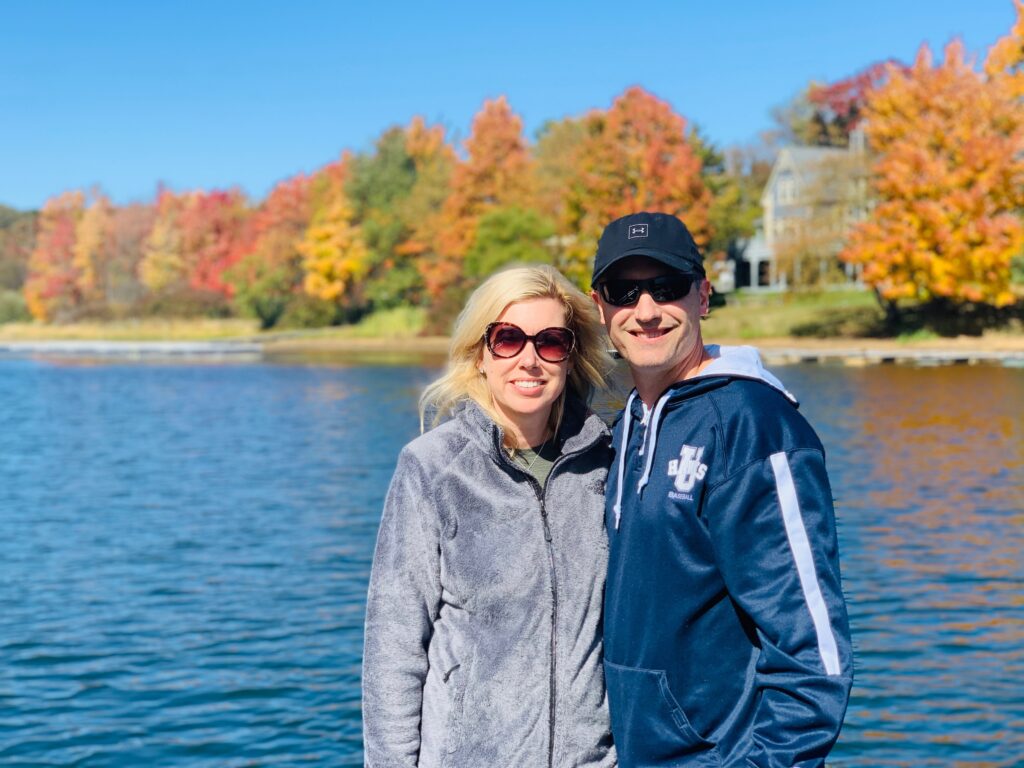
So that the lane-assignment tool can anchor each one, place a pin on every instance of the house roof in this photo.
(805, 162)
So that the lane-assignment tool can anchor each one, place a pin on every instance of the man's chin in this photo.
(644, 359)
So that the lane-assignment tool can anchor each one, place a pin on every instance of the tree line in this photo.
(418, 221)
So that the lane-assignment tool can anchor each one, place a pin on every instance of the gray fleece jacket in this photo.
(483, 620)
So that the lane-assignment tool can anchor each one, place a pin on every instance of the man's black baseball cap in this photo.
(659, 236)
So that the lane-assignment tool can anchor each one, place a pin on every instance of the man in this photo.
(726, 636)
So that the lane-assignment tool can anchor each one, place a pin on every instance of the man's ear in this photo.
(600, 306)
(705, 297)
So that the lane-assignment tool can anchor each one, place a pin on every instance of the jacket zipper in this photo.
(541, 492)
(554, 626)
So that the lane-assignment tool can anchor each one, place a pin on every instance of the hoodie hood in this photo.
(728, 362)
(741, 362)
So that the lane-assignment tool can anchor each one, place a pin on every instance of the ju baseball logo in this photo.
(687, 470)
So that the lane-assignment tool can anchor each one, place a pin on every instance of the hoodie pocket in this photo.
(649, 726)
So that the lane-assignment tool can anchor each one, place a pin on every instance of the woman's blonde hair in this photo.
(589, 363)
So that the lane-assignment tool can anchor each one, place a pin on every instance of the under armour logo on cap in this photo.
(658, 236)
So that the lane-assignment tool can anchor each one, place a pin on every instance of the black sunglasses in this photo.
(625, 292)
(553, 345)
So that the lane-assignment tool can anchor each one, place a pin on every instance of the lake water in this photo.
(184, 552)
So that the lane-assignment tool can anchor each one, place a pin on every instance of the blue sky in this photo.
(214, 94)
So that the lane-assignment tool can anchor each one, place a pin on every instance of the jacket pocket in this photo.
(455, 682)
(649, 726)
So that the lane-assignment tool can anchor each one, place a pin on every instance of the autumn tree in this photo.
(949, 180)
(162, 267)
(130, 226)
(825, 114)
(556, 164)
(1005, 61)
(397, 193)
(837, 108)
(90, 250)
(422, 210)
(211, 224)
(335, 256)
(497, 172)
(192, 245)
(17, 236)
(1005, 65)
(633, 157)
(17, 239)
(52, 287)
(267, 273)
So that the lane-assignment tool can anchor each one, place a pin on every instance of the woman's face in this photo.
(524, 387)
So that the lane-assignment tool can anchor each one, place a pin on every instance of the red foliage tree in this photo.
(212, 225)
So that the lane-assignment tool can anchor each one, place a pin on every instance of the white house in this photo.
(812, 192)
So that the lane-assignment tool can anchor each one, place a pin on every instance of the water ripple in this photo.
(184, 554)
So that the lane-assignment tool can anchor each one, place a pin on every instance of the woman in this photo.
(483, 621)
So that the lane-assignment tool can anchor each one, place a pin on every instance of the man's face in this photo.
(654, 337)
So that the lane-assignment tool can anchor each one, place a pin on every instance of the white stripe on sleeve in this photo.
(799, 544)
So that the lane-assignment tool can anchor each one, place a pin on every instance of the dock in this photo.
(889, 355)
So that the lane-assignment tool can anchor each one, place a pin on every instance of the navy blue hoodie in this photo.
(726, 636)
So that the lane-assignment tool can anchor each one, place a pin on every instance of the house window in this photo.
(787, 188)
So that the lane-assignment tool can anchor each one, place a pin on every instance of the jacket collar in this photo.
(580, 429)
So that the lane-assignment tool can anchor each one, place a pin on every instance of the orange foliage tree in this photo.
(634, 157)
(496, 173)
(1005, 60)
(53, 288)
(949, 180)
(434, 161)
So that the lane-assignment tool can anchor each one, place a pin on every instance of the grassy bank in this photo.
(405, 322)
(770, 319)
(199, 329)
(751, 316)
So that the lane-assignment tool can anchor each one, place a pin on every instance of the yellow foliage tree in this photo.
(92, 234)
(1005, 59)
(162, 266)
(949, 181)
(335, 258)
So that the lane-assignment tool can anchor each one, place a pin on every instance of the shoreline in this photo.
(1004, 350)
